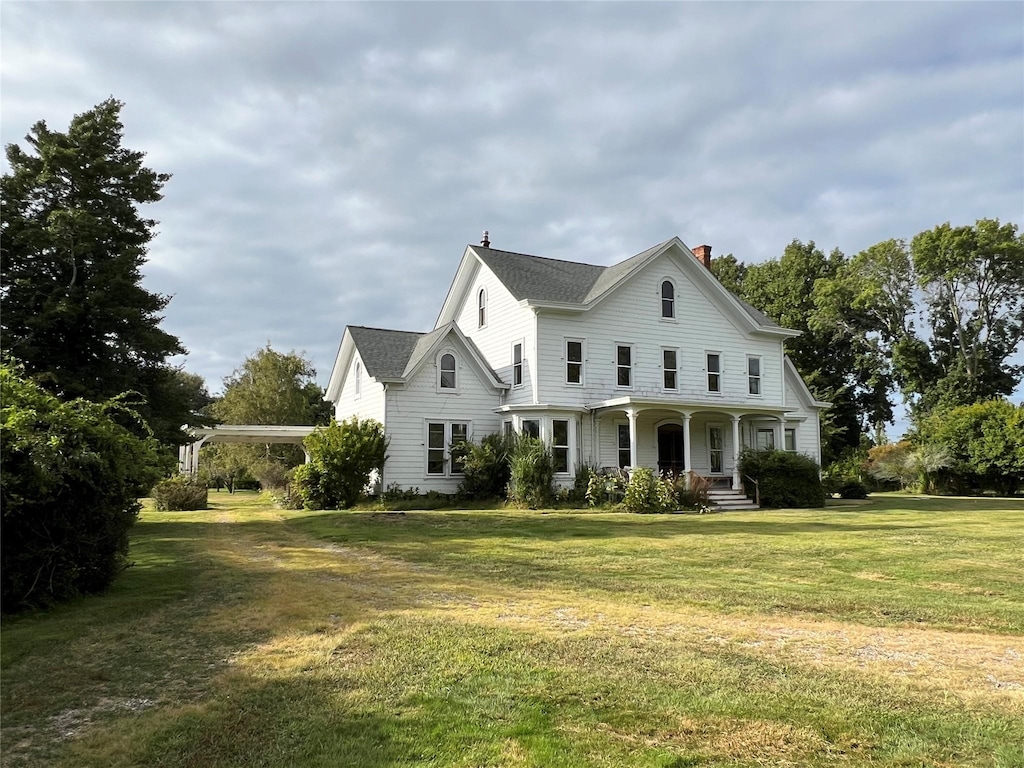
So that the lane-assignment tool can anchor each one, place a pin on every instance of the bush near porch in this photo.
(786, 480)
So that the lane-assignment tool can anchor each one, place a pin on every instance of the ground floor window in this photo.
(560, 444)
(766, 439)
(530, 427)
(441, 436)
(624, 448)
(791, 440)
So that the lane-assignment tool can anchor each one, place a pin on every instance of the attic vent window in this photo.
(481, 308)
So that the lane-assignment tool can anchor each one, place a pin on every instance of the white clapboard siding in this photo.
(409, 408)
(369, 404)
(632, 315)
(507, 322)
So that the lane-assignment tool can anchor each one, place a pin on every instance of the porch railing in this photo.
(757, 490)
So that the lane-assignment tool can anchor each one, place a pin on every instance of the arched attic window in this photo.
(358, 384)
(668, 299)
(481, 308)
(447, 371)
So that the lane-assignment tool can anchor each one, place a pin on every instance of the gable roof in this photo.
(384, 352)
(390, 355)
(538, 279)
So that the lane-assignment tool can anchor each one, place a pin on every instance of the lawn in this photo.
(886, 633)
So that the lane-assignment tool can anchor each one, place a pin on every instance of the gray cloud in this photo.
(331, 160)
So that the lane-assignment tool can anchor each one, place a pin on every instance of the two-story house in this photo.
(649, 362)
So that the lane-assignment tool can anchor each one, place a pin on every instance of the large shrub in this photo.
(532, 473)
(648, 493)
(71, 480)
(486, 467)
(180, 493)
(785, 479)
(343, 456)
(983, 445)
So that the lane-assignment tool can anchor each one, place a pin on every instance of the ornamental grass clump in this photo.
(532, 473)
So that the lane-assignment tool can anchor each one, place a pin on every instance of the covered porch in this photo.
(682, 438)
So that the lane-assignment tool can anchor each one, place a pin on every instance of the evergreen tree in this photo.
(72, 242)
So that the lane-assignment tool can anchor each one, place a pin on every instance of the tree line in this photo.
(935, 322)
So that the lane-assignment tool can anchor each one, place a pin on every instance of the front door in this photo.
(670, 449)
(716, 448)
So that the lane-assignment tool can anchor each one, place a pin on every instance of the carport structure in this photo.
(188, 454)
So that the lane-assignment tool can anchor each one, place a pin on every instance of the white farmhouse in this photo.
(649, 362)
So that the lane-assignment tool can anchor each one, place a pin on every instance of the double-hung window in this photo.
(560, 445)
(574, 361)
(622, 433)
(441, 437)
(517, 364)
(624, 365)
(790, 440)
(670, 369)
(754, 375)
(765, 439)
(714, 369)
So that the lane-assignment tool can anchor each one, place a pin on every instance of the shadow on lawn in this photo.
(444, 526)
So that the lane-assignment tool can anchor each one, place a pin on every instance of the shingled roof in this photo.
(537, 278)
(385, 353)
(388, 354)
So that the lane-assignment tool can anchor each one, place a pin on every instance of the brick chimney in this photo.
(703, 254)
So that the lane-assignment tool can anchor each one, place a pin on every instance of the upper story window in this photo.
(574, 361)
(517, 364)
(668, 299)
(358, 387)
(714, 369)
(481, 308)
(670, 369)
(446, 369)
(754, 375)
(624, 365)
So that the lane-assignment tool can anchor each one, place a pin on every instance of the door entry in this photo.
(670, 449)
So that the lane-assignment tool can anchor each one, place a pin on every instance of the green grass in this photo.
(883, 633)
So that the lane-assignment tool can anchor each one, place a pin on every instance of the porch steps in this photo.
(727, 499)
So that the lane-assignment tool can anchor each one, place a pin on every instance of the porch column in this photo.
(687, 465)
(182, 449)
(631, 415)
(308, 458)
(735, 452)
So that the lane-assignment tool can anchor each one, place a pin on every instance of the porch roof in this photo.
(690, 407)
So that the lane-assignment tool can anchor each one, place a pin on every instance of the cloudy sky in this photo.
(331, 160)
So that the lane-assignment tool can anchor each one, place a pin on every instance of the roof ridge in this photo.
(543, 258)
(388, 330)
